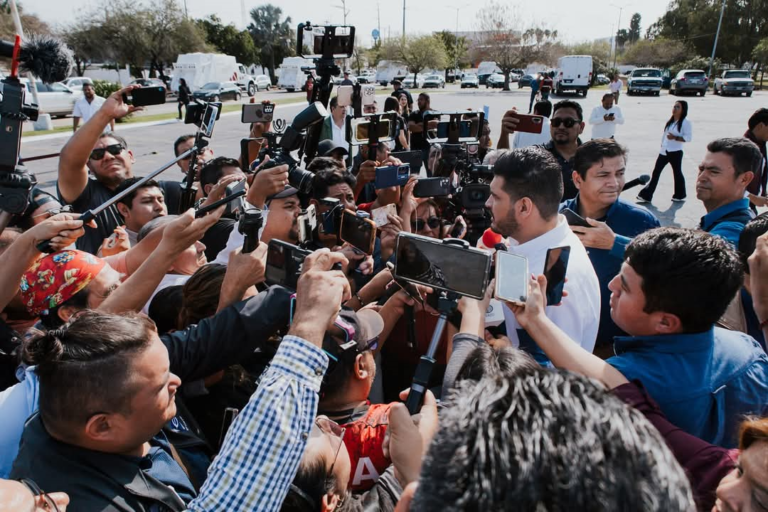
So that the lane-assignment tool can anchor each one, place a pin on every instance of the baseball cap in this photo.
(362, 327)
(327, 146)
(288, 191)
(396, 82)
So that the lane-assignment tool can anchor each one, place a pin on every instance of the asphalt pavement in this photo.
(712, 117)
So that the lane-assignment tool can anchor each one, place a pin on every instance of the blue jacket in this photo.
(728, 221)
(705, 383)
(627, 221)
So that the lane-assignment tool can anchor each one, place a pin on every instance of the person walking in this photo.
(535, 85)
(615, 87)
(677, 132)
(184, 94)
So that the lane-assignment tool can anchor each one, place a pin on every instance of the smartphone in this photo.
(511, 277)
(432, 187)
(210, 116)
(144, 96)
(461, 269)
(555, 268)
(307, 223)
(284, 262)
(574, 219)
(344, 95)
(391, 176)
(413, 158)
(443, 129)
(368, 92)
(459, 227)
(257, 113)
(358, 231)
(529, 123)
(382, 132)
(230, 413)
(235, 203)
(380, 214)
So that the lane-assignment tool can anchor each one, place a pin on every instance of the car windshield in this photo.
(695, 74)
(647, 73)
(737, 74)
(469, 77)
(433, 77)
(211, 86)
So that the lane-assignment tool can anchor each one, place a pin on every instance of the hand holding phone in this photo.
(529, 123)
(574, 219)
(555, 269)
(511, 278)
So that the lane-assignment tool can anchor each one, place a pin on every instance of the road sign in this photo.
(375, 34)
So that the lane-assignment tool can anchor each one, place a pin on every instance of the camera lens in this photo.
(301, 180)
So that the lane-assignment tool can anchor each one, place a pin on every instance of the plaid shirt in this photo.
(262, 450)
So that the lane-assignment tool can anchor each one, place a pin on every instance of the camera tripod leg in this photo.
(424, 370)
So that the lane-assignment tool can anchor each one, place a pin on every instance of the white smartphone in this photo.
(344, 95)
(511, 277)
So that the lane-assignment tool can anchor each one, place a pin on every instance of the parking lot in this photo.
(711, 116)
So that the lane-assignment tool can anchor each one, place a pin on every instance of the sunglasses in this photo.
(114, 150)
(569, 122)
(418, 224)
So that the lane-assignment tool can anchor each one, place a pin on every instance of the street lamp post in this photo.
(717, 35)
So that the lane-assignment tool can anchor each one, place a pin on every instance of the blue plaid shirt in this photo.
(263, 448)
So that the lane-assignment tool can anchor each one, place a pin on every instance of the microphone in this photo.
(46, 57)
(490, 238)
(640, 180)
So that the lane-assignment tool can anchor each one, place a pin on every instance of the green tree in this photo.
(373, 54)
(86, 41)
(272, 35)
(634, 28)
(622, 37)
(417, 53)
(660, 53)
(510, 46)
(29, 22)
(228, 40)
(456, 49)
(760, 54)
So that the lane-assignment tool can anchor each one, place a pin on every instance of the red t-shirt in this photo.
(364, 438)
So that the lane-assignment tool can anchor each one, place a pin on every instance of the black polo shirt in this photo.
(566, 167)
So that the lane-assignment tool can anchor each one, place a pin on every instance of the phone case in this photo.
(367, 250)
(431, 187)
(496, 291)
(574, 219)
(529, 123)
(380, 214)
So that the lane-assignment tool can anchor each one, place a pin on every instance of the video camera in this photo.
(293, 138)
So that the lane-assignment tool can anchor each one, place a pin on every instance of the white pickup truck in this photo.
(734, 81)
(644, 80)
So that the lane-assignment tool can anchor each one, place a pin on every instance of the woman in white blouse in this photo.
(677, 132)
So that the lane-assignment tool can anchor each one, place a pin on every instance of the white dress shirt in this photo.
(579, 314)
(615, 86)
(85, 110)
(523, 139)
(339, 134)
(675, 145)
(602, 129)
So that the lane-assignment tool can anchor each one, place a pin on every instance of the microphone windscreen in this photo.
(491, 238)
(47, 58)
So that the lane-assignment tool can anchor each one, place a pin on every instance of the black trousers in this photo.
(675, 158)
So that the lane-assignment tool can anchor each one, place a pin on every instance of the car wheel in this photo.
(215, 99)
(658, 93)
(252, 89)
(748, 95)
(703, 93)
(714, 91)
(238, 96)
(671, 91)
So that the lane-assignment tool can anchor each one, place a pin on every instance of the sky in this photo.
(575, 20)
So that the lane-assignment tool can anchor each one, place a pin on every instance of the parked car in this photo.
(470, 81)
(262, 82)
(495, 81)
(56, 99)
(644, 80)
(218, 91)
(76, 82)
(690, 80)
(410, 83)
(603, 80)
(525, 81)
(435, 81)
(367, 78)
(514, 77)
(734, 81)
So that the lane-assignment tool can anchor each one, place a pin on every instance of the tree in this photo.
(417, 53)
(86, 41)
(228, 40)
(272, 35)
(169, 33)
(600, 52)
(455, 49)
(29, 22)
(510, 46)
(373, 54)
(660, 53)
(634, 28)
(622, 36)
(760, 54)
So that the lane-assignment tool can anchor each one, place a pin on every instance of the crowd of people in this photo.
(146, 364)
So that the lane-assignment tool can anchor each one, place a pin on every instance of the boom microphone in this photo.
(46, 57)
(640, 180)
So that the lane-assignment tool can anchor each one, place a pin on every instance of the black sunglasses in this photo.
(114, 150)
(418, 224)
(569, 122)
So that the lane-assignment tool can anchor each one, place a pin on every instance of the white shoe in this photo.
(678, 200)
(641, 200)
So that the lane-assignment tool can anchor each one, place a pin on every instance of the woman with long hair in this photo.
(401, 133)
(677, 132)
(184, 94)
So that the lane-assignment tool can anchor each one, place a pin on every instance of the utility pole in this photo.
(618, 27)
(344, 10)
(717, 35)
(403, 19)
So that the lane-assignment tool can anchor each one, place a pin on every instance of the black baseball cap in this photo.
(327, 146)
(288, 191)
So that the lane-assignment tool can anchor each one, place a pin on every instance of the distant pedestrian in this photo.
(184, 94)
(615, 87)
(347, 80)
(546, 87)
(677, 132)
(86, 106)
(605, 117)
(535, 85)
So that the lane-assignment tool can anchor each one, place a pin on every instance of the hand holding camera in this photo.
(267, 182)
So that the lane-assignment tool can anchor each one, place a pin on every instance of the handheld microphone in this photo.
(640, 180)
(46, 57)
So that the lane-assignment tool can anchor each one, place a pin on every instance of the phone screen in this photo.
(209, 118)
(284, 262)
(358, 231)
(511, 277)
(428, 261)
(382, 130)
(555, 268)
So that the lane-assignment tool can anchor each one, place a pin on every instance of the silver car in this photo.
(263, 83)
(689, 80)
(735, 82)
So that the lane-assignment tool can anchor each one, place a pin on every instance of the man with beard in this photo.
(86, 106)
(524, 201)
(566, 125)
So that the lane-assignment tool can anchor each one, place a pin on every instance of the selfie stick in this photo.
(88, 216)
(446, 303)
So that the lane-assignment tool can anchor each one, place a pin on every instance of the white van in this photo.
(574, 73)
(292, 78)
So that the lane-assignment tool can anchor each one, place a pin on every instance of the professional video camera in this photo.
(293, 138)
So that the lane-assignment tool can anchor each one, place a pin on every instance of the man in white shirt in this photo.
(86, 106)
(604, 118)
(335, 126)
(524, 201)
(523, 139)
(615, 87)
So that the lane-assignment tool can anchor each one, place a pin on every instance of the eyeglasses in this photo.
(55, 211)
(114, 150)
(418, 224)
(330, 427)
(569, 122)
(48, 503)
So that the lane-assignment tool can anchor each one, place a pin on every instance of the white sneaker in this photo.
(678, 200)
(640, 199)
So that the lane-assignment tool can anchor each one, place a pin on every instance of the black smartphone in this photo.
(412, 158)
(574, 219)
(284, 262)
(450, 267)
(144, 96)
(432, 187)
(555, 268)
(257, 113)
(358, 231)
